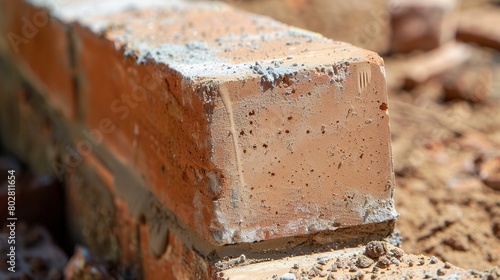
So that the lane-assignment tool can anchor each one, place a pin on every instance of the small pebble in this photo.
(288, 276)
(427, 275)
(375, 249)
(441, 272)
(395, 261)
(364, 261)
(398, 253)
(383, 262)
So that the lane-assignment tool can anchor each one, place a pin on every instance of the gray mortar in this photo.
(191, 53)
(273, 74)
(78, 10)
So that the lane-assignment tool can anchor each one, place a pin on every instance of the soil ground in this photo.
(441, 150)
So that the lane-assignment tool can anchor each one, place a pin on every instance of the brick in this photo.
(423, 67)
(91, 197)
(24, 118)
(475, 26)
(41, 46)
(243, 128)
(422, 25)
(178, 261)
(473, 84)
(363, 23)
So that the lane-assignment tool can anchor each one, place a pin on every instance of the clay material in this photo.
(244, 128)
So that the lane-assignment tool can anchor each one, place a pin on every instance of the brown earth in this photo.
(441, 152)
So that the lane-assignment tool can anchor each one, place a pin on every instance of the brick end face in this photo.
(306, 155)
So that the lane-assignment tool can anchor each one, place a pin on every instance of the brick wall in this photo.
(189, 133)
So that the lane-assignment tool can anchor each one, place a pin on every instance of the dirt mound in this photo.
(446, 161)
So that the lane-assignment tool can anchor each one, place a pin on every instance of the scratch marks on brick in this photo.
(226, 99)
(364, 77)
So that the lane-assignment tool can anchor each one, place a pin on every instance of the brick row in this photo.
(197, 131)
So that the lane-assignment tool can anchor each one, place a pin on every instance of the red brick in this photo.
(422, 25)
(178, 261)
(237, 154)
(477, 26)
(41, 46)
(26, 127)
(472, 83)
(98, 218)
(422, 67)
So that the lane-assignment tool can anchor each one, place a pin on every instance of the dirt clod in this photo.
(383, 262)
(375, 249)
(397, 253)
(364, 261)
